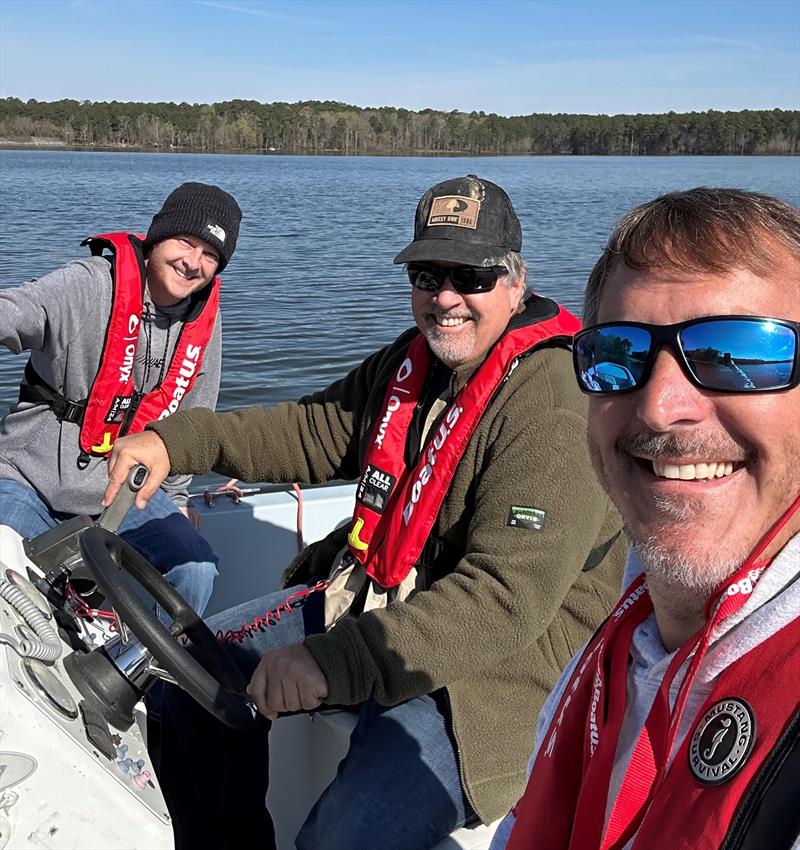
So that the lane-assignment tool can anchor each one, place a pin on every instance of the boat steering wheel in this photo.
(216, 683)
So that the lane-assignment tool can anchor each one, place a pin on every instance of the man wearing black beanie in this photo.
(117, 339)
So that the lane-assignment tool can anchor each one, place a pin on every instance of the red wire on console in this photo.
(85, 611)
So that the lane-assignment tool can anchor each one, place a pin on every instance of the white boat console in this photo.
(67, 780)
(74, 769)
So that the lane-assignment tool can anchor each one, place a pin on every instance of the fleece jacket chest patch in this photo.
(520, 516)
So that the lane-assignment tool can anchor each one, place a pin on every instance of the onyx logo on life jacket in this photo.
(183, 379)
(431, 455)
(129, 351)
(375, 488)
(403, 374)
(722, 741)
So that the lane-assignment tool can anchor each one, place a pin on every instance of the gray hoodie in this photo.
(61, 319)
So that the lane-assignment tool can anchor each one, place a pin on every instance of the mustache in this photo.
(189, 272)
(441, 313)
(658, 445)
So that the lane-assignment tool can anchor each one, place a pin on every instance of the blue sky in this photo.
(513, 57)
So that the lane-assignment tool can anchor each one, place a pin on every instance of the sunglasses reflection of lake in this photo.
(767, 373)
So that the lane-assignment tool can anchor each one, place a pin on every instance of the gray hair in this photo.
(696, 231)
(517, 270)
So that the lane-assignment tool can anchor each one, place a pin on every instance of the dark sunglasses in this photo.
(728, 354)
(466, 280)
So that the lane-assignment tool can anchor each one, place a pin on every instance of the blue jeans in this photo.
(398, 787)
(160, 532)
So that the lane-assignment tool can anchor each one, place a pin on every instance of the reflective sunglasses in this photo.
(728, 354)
(466, 280)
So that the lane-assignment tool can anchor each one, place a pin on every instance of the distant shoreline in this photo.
(337, 129)
(8, 144)
(56, 145)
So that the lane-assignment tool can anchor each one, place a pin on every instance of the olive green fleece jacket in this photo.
(503, 619)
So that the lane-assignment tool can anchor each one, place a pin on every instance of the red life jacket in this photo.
(396, 506)
(768, 681)
(694, 800)
(114, 407)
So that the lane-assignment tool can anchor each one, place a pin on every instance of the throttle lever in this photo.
(112, 516)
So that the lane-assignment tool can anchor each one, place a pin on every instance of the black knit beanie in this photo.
(195, 209)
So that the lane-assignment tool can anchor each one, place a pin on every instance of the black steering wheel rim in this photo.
(217, 684)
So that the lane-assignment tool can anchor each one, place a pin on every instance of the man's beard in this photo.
(697, 570)
(450, 348)
(699, 573)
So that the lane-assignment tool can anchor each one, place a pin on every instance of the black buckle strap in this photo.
(35, 390)
(438, 555)
(73, 411)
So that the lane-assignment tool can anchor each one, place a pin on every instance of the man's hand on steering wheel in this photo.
(146, 448)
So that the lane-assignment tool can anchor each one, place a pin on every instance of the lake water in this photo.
(312, 287)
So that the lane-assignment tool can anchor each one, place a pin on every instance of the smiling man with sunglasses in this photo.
(678, 724)
(466, 241)
(481, 553)
(460, 309)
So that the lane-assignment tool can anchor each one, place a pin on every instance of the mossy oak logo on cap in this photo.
(455, 210)
(722, 741)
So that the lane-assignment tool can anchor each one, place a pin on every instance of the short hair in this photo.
(698, 230)
(517, 269)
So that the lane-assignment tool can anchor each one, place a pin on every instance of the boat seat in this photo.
(314, 745)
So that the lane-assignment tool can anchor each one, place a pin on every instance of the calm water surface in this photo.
(312, 288)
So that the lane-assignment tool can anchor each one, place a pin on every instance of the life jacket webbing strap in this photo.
(35, 390)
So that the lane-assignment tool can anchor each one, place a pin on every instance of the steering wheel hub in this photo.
(205, 670)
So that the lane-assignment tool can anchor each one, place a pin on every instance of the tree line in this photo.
(328, 127)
